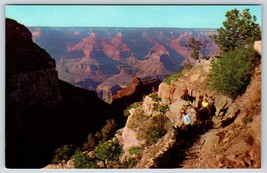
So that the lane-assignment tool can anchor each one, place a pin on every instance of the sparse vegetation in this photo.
(188, 65)
(155, 135)
(173, 77)
(63, 153)
(161, 108)
(134, 105)
(155, 97)
(107, 131)
(247, 120)
(134, 150)
(130, 163)
(91, 142)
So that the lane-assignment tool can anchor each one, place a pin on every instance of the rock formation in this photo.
(257, 47)
(128, 90)
(42, 112)
(93, 58)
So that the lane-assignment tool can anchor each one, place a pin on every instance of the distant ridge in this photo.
(100, 58)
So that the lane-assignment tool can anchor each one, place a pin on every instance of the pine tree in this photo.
(239, 30)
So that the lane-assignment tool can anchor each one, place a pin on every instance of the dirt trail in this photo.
(201, 144)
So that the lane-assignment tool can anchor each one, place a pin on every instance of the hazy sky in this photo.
(183, 16)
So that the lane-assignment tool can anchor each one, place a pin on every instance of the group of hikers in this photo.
(204, 111)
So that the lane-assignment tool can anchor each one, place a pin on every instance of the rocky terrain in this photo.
(231, 138)
(106, 60)
(232, 141)
(43, 112)
(235, 140)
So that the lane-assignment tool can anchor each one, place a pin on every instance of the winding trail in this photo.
(201, 140)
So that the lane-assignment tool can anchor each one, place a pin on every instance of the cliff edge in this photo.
(42, 112)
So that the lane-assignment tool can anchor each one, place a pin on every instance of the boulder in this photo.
(257, 47)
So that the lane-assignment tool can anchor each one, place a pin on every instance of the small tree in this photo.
(83, 161)
(109, 151)
(196, 47)
(239, 29)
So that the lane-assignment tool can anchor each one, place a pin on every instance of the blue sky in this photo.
(179, 16)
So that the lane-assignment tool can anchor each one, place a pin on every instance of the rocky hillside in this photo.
(231, 140)
(154, 135)
(106, 60)
(43, 112)
(235, 140)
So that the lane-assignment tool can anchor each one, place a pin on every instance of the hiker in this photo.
(185, 95)
(187, 119)
(211, 100)
(200, 99)
(205, 103)
(211, 107)
(185, 90)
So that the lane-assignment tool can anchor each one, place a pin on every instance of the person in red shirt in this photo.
(185, 96)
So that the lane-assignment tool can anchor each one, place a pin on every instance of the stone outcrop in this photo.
(31, 78)
(128, 90)
(42, 112)
(24, 58)
(257, 47)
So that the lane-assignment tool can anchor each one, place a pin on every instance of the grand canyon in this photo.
(88, 87)
(107, 60)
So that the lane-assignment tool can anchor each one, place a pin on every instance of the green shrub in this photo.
(155, 97)
(161, 108)
(231, 74)
(143, 124)
(134, 150)
(134, 105)
(63, 153)
(247, 120)
(109, 151)
(130, 163)
(173, 77)
(83, 161)
(155, 135)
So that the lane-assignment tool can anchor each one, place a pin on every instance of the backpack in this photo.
(187, 119)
